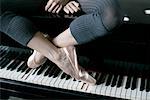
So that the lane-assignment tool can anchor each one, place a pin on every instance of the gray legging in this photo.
(100, 17)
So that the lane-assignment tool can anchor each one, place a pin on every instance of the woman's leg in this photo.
(23, 31)
(101, 16)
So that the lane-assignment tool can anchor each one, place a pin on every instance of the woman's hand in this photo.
(55, 6)
(71, 7)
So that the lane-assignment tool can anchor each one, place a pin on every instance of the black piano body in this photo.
(125, 54)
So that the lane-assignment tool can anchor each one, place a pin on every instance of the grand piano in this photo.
(120, 62)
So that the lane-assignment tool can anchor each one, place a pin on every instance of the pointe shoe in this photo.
(82, 75)
(31, 60)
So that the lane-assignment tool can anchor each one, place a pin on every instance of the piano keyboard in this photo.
(13, 66)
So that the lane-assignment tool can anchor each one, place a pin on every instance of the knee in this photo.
(112, 17)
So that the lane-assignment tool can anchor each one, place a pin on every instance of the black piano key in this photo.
(51, 73)
(21, 67)
(97, 76)
(48, 70)
(42, 69)
(128, 83)
(102, 78)
(56, 73)
(142, 87)
(68, 77)
(148, 85)
(63, 75)
(24, 67)
(13, 68)
(110, 76)
(13, 65)
(2, 53)
(36, 70)
(2, 62)
(4, 56)
(134, 83)
(27, 71)
(7, 61)
(120, 81)
(114, 81)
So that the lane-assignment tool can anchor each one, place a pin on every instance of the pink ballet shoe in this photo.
(31, 60)
(81, 74)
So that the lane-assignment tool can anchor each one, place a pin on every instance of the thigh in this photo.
(24, 7)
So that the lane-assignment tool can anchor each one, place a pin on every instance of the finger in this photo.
(66, 10)
(49, 3)
(69, 8)
(73, 7)
(76, 4)
(58, 10)
(54, 11)
(52, 6)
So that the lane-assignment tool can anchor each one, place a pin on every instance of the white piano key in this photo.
(67, 83)
(59, 80)
(104, 87)
(21, 76)
(80, 85)
(15, 73)
(44, 81)
(108, 89)
(74, 87)
(31, 76)
(144, 95)
(128, 91)
(9, 75)
(4, 70)
(96, 88)
(138, 92)
(10, 72)
(148, 96)
(134, 92)
(70, 85)
(6, 73)
(49, 79)
(123, 90)
(114, 89)
(52, 83)
(119, 90)
(27, 75)
(36, 77)
(85, 87)
(41, 76)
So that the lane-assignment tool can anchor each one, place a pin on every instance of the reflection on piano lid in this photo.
(13, 67)
(138, 11)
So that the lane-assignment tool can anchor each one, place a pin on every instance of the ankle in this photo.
(56, 56)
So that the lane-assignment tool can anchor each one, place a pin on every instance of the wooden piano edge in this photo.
(30, 91)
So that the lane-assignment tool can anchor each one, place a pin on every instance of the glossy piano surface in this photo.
(48, 80)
